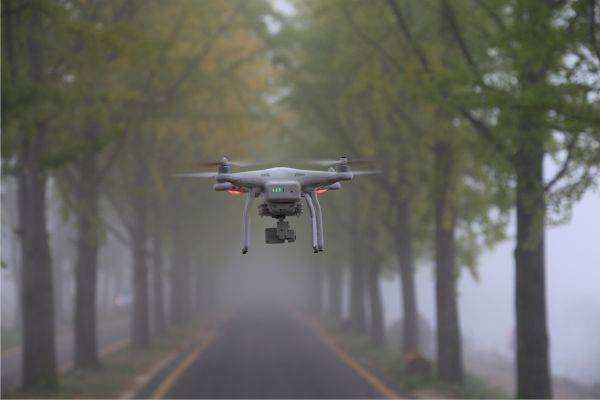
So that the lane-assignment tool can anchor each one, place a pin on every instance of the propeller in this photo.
(339, 161)
(196, 175)
(367, 172)
(225, 161)
(222, 166)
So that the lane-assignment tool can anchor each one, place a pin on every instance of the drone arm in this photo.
(319, 215)
(313, 220)
(246, 221)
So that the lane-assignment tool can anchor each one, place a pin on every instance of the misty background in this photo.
(437, 95)
(271, 275)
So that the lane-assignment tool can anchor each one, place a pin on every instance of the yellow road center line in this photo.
(368, 376)
(166, 385)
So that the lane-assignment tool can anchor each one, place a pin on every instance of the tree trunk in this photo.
(139, 240)
(357, 279)
(86, 346)
(335, 291)
(406, 270)
(377, 323)
(141, 326)
(357, 293)
(157, 275)
(180, 278)
(449, 352)
(533, 372)
(39, 366)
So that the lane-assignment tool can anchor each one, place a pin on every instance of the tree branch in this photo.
(495, 17)
(200, 55)
(458, 37)
(370, 41)
(565, 166)
(115, 232)
(403, 26)
(118, 210)
(592, 30)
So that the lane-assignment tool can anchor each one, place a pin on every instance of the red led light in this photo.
(234, 192)
(321, 190)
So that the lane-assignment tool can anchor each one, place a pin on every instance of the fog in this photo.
(486, 303)
(454, 151)
(273, 276)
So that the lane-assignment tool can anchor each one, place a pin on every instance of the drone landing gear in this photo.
(316, 219)
(246, 221)
(280, 234)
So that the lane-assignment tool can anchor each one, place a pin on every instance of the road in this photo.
(265, 354)
(113, 333)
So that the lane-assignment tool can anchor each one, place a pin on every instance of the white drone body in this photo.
(282, 190)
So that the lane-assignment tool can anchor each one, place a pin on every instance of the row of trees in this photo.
(106, 99)
(462, 104)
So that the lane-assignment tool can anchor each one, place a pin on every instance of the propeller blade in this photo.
(321, 163)
(238, 163)
(196, 175)
(367, 172)
(243, 164)
(333, 163)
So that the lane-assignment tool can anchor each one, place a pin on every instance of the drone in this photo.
(282, 190)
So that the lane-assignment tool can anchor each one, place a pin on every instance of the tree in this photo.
(98, 138)
(336, 91)
(526, 100)
(30, 97)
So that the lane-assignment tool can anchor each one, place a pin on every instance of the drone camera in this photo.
(280, 234)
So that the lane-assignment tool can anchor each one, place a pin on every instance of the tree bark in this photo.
(357, 292)
(404, 238)
(335, 291)
(157, 275)
(533, 371)
(39, 366)
(357, 278)
(141, 325)
(139, 240)
(377, 324)
(86, 346)
(180, 278)
(449, 352)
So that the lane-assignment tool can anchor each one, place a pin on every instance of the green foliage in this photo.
(360, 84)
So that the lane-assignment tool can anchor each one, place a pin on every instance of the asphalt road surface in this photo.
(263, 354)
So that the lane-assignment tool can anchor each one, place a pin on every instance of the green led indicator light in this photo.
(277, 190)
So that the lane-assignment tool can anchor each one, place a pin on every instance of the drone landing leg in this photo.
(313, 220)
(319, 216)
(246, 221)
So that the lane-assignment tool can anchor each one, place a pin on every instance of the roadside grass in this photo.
(389, 361)
(117, 371)
(10, 338)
